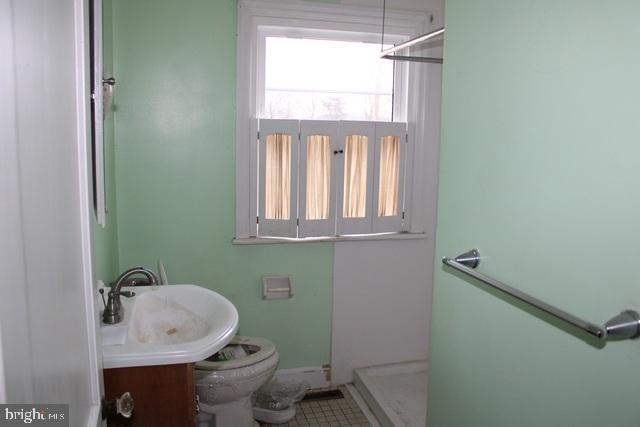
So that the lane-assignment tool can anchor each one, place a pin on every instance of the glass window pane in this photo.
(326, 80)
(278, 176)
(318, 176)
(355, 176)
(389, 176)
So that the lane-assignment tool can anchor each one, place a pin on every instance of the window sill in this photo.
(350, 238)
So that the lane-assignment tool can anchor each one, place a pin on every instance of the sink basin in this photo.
(167, 325)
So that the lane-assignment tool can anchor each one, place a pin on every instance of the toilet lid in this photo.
(257, 350)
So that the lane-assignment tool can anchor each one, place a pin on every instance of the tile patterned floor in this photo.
(333, 412)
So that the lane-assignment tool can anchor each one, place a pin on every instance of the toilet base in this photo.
(238, 413)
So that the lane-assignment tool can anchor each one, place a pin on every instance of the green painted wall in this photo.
(105, 239)
(175, 163)
(539, 169)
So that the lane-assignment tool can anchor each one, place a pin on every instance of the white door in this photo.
(50, 349)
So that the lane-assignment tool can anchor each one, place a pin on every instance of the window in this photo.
(327, 178)
(278, 178)
(354, 191)
(310, 78)
(318, 177)
(319, 143)
(389, 176)
(323, 142)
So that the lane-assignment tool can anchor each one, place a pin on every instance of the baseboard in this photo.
(316, 377)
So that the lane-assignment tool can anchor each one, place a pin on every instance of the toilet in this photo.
(226, 380)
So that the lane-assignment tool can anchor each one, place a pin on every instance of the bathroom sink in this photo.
(167, 325)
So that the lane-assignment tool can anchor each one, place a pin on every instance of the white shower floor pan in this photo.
(396, 393)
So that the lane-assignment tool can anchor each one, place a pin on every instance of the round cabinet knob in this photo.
(124, 405)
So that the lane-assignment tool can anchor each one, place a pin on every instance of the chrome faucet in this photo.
(113, 308)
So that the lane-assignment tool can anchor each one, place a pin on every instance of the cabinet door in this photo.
(163, 395)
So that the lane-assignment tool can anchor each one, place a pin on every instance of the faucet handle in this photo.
(127, 294)
(101, 291)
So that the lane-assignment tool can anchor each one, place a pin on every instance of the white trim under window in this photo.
(256, 20)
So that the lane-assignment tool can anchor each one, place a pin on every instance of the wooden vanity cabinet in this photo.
(163, 395)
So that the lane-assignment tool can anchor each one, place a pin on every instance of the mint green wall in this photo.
(105, 240)
(539, 169)
(175, 161)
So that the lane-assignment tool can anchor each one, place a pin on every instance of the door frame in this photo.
(83, 135)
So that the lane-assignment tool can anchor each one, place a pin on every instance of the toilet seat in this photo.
(226, 380)
(263, 349)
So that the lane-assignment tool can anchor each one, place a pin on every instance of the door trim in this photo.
(81, 23)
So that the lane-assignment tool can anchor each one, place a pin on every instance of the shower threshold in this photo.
(396, 393)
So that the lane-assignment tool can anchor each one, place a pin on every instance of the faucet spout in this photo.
(150, 275)
(113, 311)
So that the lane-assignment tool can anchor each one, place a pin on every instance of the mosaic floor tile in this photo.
(328, 413)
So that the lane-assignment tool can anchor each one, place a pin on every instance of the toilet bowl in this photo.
(226, 380)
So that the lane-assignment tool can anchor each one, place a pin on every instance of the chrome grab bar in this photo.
(625, 325)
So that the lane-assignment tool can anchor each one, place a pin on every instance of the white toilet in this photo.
(226, 380)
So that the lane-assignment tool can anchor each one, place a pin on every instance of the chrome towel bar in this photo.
(625, 325)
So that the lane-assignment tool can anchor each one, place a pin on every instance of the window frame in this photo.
(254, 14)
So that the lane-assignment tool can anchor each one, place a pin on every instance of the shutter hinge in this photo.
(257, 220)
(298, 221)
(258, 135)
(402, 215)
(406, 138)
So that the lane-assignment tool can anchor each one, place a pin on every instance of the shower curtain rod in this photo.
(412, 42)
(427, 59)
(387, 53)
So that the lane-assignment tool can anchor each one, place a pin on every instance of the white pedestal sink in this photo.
(167, 325)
